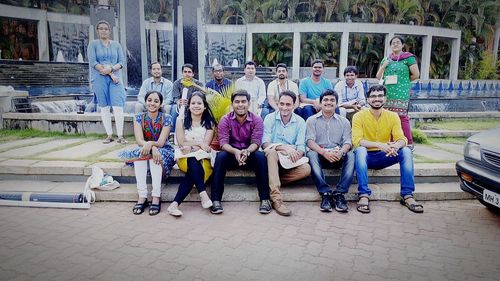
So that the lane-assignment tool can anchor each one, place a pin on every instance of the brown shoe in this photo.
(281, 208)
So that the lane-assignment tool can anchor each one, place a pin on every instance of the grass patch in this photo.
(12, 134)
(460, 124)
(422, 159)
(452, 140)
(419, 137)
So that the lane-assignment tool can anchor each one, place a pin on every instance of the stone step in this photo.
(449, 133)
(80, 170)
(240, 193)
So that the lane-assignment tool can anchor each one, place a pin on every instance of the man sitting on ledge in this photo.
(240, 136)
(380, 143)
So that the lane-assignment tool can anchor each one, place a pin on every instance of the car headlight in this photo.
(472, 150)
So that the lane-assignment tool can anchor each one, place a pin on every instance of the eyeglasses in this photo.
(376, 96)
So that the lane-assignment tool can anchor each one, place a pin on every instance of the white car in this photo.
(479, 171)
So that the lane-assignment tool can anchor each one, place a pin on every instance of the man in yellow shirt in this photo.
(379, 143)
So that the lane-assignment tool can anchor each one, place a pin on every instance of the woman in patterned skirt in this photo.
(151, 130)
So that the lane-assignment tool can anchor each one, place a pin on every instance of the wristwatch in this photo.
(343, 154)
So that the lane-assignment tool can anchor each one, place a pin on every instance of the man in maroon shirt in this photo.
(240, 136)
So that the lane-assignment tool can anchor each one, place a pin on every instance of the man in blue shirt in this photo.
(284, 136)
(219, 83)
(311, 88)
(154, 83)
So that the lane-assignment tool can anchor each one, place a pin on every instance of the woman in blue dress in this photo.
(105, 63)
(151, 130)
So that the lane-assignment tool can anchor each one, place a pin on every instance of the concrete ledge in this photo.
(240, 193)
(449, 133)
(445, 115)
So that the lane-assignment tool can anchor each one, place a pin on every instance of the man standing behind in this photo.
(284, 133)
(254, 86)
(154, 83)
(219, 83)
(351, 92)
(328, 136)
(177, 101)
(240, 135)
(275, 87)
(311, 88)
(380, 143)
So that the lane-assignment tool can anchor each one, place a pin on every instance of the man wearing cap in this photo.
(284, 146)
(219, 82)
(328, 135)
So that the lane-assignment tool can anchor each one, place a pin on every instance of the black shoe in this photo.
(340, 203)
(216, 207)
(265, 207)
(326, 202)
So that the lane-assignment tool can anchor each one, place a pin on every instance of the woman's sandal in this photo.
(364, 205)
(412, 205)
(154, 209)
(140, 207)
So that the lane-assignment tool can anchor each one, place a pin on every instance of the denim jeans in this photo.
(225, 161)
(195, 176)
(174, 113)
(346, 166)
(377, 160)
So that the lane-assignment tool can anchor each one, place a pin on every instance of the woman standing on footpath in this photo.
(151, 130)
(397, 71)
(105, 63)
(194, 135)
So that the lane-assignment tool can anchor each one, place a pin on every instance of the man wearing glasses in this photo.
(379, 143)
(219, 83)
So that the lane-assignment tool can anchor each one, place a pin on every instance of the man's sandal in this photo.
(412, 205)
(364, 205)
(140, 207)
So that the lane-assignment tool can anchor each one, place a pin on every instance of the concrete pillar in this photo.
(180, 43)
(426, 57)
(387, 48)
(249, 45)
(202, 51)
(190, 30)
(344, 53)
(153, 43)
(454, 60)
(43, 40)
(495, 44)
(135, 44)
(296, 56)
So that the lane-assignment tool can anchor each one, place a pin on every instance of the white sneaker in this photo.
(173, 210)
(205, 200)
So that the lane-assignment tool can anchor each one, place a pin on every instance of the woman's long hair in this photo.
(207, 118)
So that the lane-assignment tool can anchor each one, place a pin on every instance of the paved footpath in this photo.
(452, 240)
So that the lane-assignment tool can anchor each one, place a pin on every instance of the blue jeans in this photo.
(346, 166)
(377, 160)
(309, 110)
(174, 113)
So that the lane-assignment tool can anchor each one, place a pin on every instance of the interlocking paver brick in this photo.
(455, 240)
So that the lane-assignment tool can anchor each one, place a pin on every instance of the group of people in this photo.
(283, 134)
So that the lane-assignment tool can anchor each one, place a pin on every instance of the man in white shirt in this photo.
(154, 83)
(254, 86)
(276, 87)
(351, 92)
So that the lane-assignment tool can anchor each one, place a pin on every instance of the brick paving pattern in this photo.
(452, 240)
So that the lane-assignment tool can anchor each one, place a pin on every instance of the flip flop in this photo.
(154, 209)
(364, 207)
(414, 207)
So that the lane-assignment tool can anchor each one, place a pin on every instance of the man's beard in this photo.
(377, 107)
